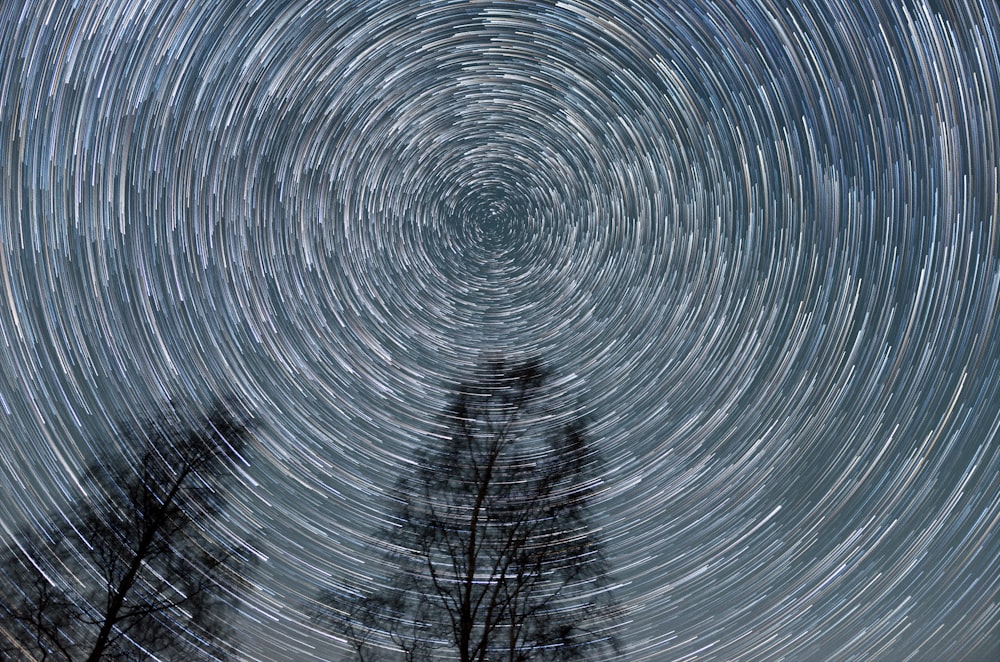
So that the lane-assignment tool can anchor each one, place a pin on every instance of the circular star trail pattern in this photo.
(759, 241)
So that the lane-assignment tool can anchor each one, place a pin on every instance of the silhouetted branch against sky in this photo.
(495, 553)
(133, 570)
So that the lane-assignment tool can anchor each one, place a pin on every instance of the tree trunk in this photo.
(111, 617)
(127, 582)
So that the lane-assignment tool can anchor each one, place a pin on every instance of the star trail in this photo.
(757, 241)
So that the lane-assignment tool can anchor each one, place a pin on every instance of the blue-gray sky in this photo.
(759, 241)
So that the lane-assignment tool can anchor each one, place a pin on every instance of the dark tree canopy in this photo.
(495, 554)
(133, 571)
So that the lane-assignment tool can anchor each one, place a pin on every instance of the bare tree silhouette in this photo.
(491, 535)
(135, 570)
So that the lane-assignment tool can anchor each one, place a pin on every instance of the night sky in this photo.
(758, 241)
